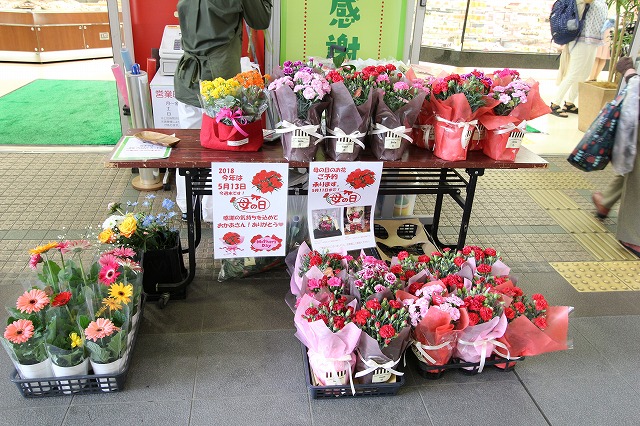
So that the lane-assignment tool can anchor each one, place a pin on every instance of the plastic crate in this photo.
(435, 372)
(81, 384)
(344, 391)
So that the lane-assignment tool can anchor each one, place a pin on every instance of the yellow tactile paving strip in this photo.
(615, 268)
(600, 276)
(532, 180)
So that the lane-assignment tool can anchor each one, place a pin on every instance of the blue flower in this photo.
(147, 221)
(168, 204)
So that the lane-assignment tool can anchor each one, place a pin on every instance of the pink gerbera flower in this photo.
(76, 246)
(32, 301)
(99, 329)
(109, 273)
(35, 259)
(122, 252)
(107, 258)
(19, 331)
(130, 264)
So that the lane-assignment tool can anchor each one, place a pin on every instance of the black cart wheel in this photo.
(163, 300)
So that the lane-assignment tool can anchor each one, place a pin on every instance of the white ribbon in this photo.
(421, 348)
(510, 127)
(483, 350)
(372, 366)
(353, 136)
(399, 131)
(344, 359)
(310, 129)
(464, 124)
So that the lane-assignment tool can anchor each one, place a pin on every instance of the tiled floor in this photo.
(227, 354)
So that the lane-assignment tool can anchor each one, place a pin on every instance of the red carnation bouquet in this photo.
(386, 335)
(457, 102)
(312, 269)
(349, 115)
(325, 328)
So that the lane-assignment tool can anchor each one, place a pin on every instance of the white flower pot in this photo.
(66, 386)
(40, 370)
(111, 368)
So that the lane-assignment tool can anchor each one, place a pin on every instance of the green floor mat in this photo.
(61, 112)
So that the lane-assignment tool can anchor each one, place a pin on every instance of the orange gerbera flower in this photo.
(99, 329)
(32, 301)
(44, 248)
(19, 331)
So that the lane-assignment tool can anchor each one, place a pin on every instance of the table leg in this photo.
(468, 205)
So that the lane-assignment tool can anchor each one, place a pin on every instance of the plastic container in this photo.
(78, 385)
(435, 372)
(344, 391)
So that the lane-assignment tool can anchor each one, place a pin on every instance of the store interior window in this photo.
(488, 25)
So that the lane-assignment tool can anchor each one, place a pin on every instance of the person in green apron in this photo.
(212, 43)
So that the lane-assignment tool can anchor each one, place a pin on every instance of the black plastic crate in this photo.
(435, 372)
(342, 391)
(81, 384)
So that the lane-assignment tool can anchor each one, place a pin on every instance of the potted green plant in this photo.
(600, 92)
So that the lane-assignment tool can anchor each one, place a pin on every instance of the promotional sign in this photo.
(341, 201)
(250, 213)
(359, 29)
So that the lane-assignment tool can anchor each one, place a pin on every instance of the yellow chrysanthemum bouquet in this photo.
(233, 111)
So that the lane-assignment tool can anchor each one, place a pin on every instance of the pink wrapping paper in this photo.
(476, 342)
(343, 114)
(329, 352)
(405, 116)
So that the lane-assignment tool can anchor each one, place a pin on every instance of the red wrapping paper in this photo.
(523, 338)
(423, 135)
(436, 328)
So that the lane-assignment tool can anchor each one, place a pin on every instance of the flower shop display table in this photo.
(418, 172)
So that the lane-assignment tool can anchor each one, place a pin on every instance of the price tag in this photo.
(300, 141)
(344, 146)
(392, 142)
(380, 376)
(515, 140)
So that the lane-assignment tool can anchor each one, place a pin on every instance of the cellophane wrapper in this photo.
(423, 134)
(328, 352)
(368, 348)
(404, 116)
(345, 115)
(287, 105)
(485, 333)
(523, 338)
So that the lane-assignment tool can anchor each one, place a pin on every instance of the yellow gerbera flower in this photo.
(44, 248)
(76, 341)
(120, 292)
(111, 303)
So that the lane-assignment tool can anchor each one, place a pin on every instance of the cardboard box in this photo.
(164, 103)
(592, 98)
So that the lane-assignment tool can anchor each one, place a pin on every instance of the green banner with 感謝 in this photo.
(364, 28)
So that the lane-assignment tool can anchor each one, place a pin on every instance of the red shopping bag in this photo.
(238, 137)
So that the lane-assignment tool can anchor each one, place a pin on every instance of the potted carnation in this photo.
(301, 97)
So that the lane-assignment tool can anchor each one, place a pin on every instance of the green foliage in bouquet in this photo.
(140, 229)
(360, 83)
(382, 320)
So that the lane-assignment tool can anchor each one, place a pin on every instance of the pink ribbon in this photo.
(233, 115)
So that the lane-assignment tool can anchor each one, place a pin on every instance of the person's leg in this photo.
(628, 229)
(606, 199)
(190, 118)
(582, 57)
(598, 66)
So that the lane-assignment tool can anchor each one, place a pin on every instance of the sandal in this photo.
(569, 107)
(557, 111)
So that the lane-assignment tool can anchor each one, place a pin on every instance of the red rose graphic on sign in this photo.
(267, 181)
(361, 178)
